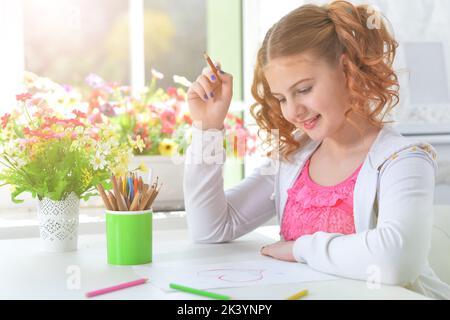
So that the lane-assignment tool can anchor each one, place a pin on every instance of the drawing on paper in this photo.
(233, 275)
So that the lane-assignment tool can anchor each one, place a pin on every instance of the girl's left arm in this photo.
(397, 249)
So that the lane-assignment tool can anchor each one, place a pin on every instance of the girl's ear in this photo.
(343, 65)
(343, 61)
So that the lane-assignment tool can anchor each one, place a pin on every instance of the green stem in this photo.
(26, 112)
(14, 167)
(5, 164)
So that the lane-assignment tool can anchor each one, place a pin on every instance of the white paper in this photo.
(230, 275)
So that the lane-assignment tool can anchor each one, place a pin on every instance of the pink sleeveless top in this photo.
(311, 207)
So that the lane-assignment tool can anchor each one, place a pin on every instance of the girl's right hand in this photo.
(209, 98)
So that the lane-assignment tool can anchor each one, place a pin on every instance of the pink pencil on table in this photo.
(116, 287)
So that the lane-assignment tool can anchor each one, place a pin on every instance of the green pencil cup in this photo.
(129, 237)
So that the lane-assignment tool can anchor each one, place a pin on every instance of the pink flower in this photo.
(168, 120)
(95, 81)
(44, 134)
(5, 120)
(107, 109)
(24, 97)
(79, 114)
(96, 118)
(64, 122)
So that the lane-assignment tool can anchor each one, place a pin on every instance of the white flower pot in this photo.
(58, 224)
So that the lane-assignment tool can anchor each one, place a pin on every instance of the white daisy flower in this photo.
(99, 161)
(157, 74)
(182, 80)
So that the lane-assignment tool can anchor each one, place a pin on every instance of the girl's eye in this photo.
(305, 90)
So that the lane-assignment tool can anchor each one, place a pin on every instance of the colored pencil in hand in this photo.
(211, 65)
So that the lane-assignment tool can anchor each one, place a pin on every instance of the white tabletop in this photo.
(28, 273)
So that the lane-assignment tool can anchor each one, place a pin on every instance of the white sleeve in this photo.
(214, 215)
(397, 249)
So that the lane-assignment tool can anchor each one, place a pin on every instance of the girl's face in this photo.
(312, 94)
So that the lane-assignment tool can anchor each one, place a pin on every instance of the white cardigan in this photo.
(393, 209)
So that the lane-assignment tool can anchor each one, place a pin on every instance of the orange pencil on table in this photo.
(211, 65)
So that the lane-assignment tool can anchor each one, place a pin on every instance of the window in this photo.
(175, 37)
(67, 40)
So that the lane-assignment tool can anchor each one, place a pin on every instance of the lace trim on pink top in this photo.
(311, 207)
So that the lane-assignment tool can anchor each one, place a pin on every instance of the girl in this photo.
(351, 194)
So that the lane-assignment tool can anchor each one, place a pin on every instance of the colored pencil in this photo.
(105, 198)
(153, 197)
(211, 65)
(129, 193)
(298, 295)
(135, 204)
(116, 287)
(113, 201)
(119, 199)
(145, 198)
(199, 292)
(136, 182)
(130, 189)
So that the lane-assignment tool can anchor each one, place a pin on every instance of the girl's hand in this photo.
(209, 98)
(281, 250)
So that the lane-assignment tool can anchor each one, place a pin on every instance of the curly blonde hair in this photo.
(328, 31)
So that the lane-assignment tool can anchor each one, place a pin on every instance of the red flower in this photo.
(94, 135)
(5, 120)
(187, 119)
(172, 91)
(95, 98)
(79, 114)
(49, 121)
(168, 120)
(43, 134)
(141, 130)
(24, 97)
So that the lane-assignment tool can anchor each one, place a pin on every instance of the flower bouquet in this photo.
(160, 123)
(57, 154)
(158, 117)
